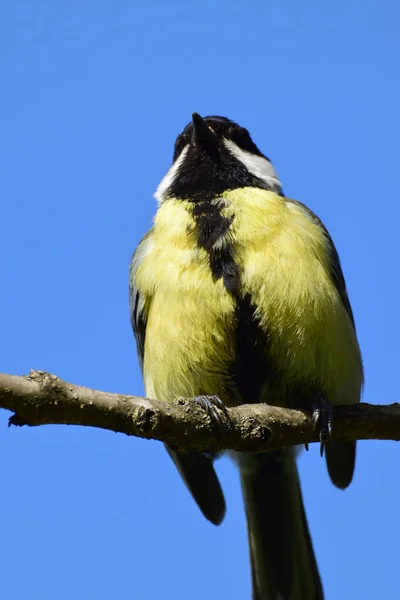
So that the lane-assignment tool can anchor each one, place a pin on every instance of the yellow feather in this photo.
(189, 335)
(283, 254)
(284, 260)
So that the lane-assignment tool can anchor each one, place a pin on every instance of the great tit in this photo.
(237, 296)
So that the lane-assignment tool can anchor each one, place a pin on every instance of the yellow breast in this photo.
(189, 344)
(283, 255)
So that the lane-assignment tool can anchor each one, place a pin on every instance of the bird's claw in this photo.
(322, 417)
(212, 404)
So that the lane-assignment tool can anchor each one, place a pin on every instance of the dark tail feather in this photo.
(198, 473)
(340, 460)
(282, 558)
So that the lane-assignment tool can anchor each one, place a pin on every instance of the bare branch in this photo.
(41, 399)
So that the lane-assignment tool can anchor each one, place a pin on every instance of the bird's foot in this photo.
(212, 404)
(322, 417)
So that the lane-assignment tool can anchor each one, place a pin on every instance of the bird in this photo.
(237, 296)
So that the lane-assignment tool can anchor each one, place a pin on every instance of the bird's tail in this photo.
(282, 558)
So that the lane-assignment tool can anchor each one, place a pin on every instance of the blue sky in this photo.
(93, 95)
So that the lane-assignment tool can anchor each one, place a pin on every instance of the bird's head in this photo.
(213, 155)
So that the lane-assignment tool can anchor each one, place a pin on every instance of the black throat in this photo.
(203, 177)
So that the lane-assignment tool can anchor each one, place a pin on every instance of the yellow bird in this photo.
(237, 296)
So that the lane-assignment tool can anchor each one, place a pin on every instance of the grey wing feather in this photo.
(340, 456)
(136, 302)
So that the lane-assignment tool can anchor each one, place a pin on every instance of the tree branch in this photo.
(42, 399)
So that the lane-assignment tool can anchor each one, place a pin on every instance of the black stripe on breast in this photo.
(211, 225)
(252, 368)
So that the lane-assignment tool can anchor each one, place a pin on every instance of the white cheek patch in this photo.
(168, 179)
(257, 165)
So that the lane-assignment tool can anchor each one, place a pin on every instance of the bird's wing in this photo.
(137, 306)
(196, 469)
(340, 456)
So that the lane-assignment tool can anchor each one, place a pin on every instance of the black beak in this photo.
(203, 136)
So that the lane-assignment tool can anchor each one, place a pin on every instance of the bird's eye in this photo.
(180, 143)
(242, 138)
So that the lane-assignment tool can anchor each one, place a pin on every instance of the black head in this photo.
(213, 155)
